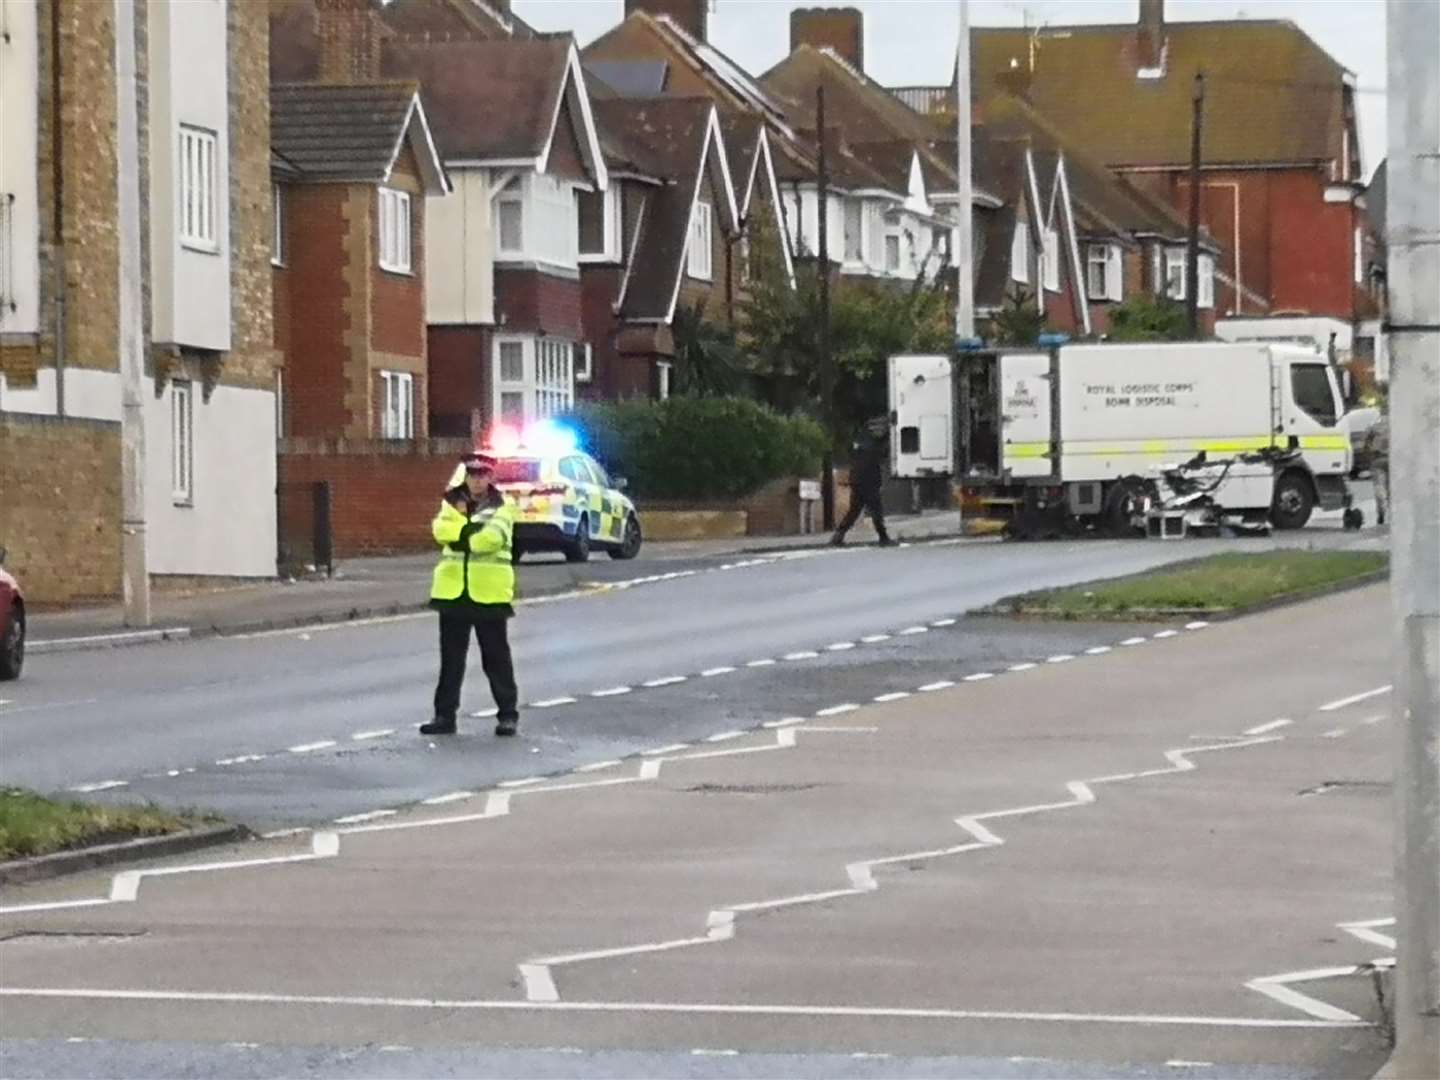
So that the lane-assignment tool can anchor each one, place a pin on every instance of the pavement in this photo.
(1162, 854)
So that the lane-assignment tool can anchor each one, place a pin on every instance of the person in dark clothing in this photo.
(473, 590)
(867, 475)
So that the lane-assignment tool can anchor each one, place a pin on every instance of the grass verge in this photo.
(1212, 586)
(33, 825)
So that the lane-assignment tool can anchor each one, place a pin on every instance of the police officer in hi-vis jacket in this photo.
(473, 588)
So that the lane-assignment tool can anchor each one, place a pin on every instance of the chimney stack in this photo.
(839, 29)
(693, 16)
(350, 37)
(1151, 34)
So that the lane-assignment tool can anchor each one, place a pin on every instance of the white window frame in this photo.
(199, 192)
(854, 207)
(397, 412)
(182, 443)
(1108, 260)
(277, 225)
(612, 225)
(1020, 251)
(892, 247)
(546, 385)
(583, 368)
(394, 224)
(1205, 272)
(515, 199)
(1050, 268)
(663, 371)
(1359, 255)
(1174, 284)
(700, 248)
(554, 376)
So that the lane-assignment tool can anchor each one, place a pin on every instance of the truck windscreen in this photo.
(1311, 386)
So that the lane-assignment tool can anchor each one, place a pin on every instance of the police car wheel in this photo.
(629, 546)
(578, 550)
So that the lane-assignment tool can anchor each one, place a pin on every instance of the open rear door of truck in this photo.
(922, 410)
(1026, 449)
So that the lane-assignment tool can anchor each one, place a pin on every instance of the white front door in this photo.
(1025, 447)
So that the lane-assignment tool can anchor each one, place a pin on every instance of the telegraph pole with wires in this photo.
(965, 237)
(1192, 249)
(827, 359)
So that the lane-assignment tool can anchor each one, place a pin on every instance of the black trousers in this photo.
(862, 501)
(492, 634)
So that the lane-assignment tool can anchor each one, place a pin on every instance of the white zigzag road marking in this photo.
(720, 922)
(1366, 931)
(1278, 988)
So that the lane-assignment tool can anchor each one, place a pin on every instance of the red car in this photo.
(12, 624)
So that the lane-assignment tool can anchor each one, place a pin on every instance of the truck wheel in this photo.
(1293, 501)
(1124, 500)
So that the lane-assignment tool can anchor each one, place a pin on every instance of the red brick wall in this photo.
(315, 320)
(398, 300)
(527, 301)
(383, 496)
(459, 358)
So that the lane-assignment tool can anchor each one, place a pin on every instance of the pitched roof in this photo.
(682, 143)
(440, 20)
(351, 133)
(1272, 95)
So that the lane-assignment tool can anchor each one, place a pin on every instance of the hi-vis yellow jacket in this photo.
(475, 555)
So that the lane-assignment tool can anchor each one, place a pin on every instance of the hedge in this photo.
(698, 448)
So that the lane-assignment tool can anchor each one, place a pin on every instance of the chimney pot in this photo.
(1150, 33)
(839, 29)
(693, 16)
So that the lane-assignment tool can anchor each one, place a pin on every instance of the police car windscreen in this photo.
(517, 471)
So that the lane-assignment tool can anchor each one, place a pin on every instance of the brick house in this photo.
(355, 167)
(662, 237)
(200, 143)
(1282, 172)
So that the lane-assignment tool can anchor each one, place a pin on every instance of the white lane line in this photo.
(942, 623)
(725, 736)
(311, 747)
(382, 733)
(1098, 650)
(1261, 729)
(898, 695)
(454, 796)
(875, 639)
(552, 703)
(1198, 624)
(840, 646)
(1167, 634)
(522, 782)
(597, 766)
(668, 680)
(373, 815)
(1337, 733)
(836, 710)
(1355, 698)
(1062, 658)
(1017, 668)
(789, 721)
(804, 654)
(710, 673)
(243, 759)
(1375, 719)
(614, 691)
(687, 1008)
(103, 785)
(1129, 641)
(1181, 1063)
(767, 662)
(930, 688)
(909, 631)
(980, 676)
(672, 748)
(703, 1052)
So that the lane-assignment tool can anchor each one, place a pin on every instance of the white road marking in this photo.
(1380, 717)
(598, 766)
(1017, 668)
(243, 759)
(702, 1052)
(695, 1008)
(789, 721)
(486, 714)
(614, 691)
(941, 623)
(356, 819)
(804, 654)
(1335, 733)
(1366, 931)
(1133, 641)
(382, 733)
(725, 736)
(1167, 634)
(672, 748)
(897, 695)
(980, 676)
(521, 783)
(710, 673)
(668, 680)
(912, 630)
(1278, 988)
(1198, 624)
(454, 796)
(1181, 1063)
(1062, 658)
(552, 703)
(103, 785)
(761, 663)
(930, 688)
(280, 834)
(875, 639)
(308, 748)
(837, 710)
(1098, 650)
(1261, 729)
(840, 646)
(1355, 698)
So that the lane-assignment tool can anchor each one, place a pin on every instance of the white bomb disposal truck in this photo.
(1117, 438)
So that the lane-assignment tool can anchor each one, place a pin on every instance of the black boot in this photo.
(507, 725)
(438, 727)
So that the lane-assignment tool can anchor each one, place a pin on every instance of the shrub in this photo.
(698, 448)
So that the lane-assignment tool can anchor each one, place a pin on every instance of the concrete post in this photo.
(134, 562)
(1413, 235)
(964, 247)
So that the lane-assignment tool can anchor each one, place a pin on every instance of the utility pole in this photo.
(827, 360)
(1192, 250)
(134, 562)
(965, 245)
(1413, 236)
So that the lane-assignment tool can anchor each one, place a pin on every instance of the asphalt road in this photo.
(301, 727)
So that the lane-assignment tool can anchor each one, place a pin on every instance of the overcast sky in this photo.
(912, 42)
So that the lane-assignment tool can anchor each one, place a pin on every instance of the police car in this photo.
(564, 499)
